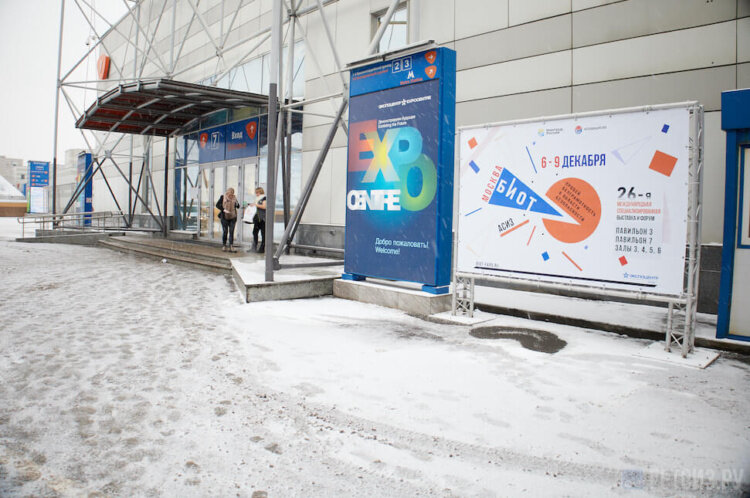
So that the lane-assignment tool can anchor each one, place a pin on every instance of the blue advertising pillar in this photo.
(734, 313)
(84, 203)
(399, 201)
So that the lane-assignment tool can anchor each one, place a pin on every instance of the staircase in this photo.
(205, 256)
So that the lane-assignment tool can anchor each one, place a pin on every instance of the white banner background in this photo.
(597, 201)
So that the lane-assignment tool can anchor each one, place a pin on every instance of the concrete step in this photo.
(126, 245)
(209, 252)
(84, 239)
(299, 277)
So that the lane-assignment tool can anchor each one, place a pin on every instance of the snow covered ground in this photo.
(124, 376)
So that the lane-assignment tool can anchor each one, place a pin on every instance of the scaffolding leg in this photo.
(463, 296)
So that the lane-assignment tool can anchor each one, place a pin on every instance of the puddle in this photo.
(535, 340)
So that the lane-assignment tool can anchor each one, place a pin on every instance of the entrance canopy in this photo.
(160, 107)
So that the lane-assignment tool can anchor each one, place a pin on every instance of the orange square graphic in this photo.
(473, 142)
(663, 163)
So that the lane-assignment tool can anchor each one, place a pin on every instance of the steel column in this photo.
(291, 229)
(57, 106)
(166, 186)
(272, 122)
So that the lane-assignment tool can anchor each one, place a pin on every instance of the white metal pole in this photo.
(57, 106)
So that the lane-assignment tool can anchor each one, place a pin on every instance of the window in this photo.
(253, 76)
(397, 33)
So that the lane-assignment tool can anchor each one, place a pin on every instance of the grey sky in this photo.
(29, 31)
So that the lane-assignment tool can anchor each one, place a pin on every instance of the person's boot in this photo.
(224, 248)
(262, 247)
(232, 249)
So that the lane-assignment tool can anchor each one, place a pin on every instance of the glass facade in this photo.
(196, 184)
(193, 181)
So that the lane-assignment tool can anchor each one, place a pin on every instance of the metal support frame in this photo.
(142, 41)
(463, 296)
(165, 224)
(684, 338)
(681, 310)
(291, 229)
(271, 162)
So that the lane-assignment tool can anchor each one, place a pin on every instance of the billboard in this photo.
(598, 200)
(399, 201)
(38, 179)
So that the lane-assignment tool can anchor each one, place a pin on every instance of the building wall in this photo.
(515, 59)
(528, 58)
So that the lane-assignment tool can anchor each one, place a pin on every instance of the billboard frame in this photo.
(681, 310)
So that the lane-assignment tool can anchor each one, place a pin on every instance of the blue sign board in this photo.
(400, 170)
(242, 139)
(211, 144)
(231, 141)
(38, 174)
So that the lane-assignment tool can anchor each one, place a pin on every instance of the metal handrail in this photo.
(86, 221)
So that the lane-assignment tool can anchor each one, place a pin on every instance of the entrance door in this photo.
(248, 184)
(219, 174)
(214, 179)
(204, 217)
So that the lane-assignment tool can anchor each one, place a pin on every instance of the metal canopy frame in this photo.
(163, 107)
(680, 329)
(160, 107)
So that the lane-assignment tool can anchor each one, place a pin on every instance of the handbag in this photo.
(249, 214)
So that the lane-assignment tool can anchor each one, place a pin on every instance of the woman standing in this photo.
(228, 205)
(260, 220)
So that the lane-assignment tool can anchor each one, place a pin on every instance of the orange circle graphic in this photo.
(578, 199)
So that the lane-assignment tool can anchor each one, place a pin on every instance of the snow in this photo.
(125, 376)
(254, 271)
(9, 192)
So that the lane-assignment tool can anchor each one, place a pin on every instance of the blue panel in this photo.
(447, 73)
(408, 70)
(38, 174)
(400, 169)
(211, 144)
(85, 170)
(735, 110)
(242, 139)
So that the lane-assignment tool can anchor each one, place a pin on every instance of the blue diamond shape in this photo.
(545, 256)
(665, 128)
